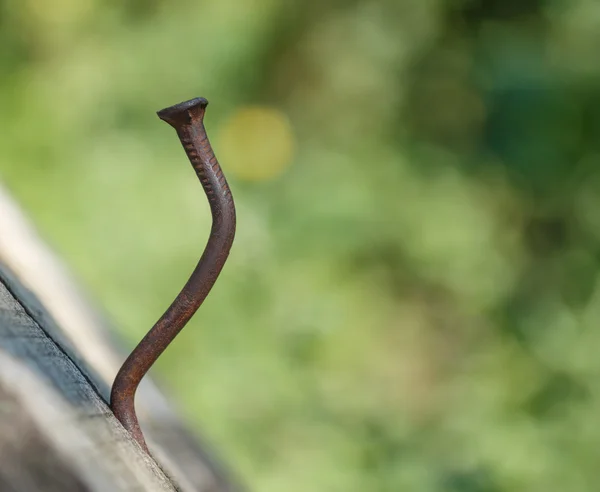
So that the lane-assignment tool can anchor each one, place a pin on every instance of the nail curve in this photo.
(188, 120)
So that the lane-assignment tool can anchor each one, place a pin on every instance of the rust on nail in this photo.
(188, 120)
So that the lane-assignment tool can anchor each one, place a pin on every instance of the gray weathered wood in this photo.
(68, 323)
(56, 431)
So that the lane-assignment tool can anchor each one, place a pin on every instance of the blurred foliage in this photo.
(413, 299)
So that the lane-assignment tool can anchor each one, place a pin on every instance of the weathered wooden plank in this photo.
(74, 440)
(27, 460)
(53, 300)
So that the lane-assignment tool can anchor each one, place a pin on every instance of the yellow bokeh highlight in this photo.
(256, 143)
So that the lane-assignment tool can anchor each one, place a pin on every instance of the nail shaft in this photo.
(187, 119)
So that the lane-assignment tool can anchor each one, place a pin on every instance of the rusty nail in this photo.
(187, 119)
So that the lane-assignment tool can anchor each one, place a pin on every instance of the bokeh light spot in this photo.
(256, 143)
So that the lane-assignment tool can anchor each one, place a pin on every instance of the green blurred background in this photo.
(413, 298)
